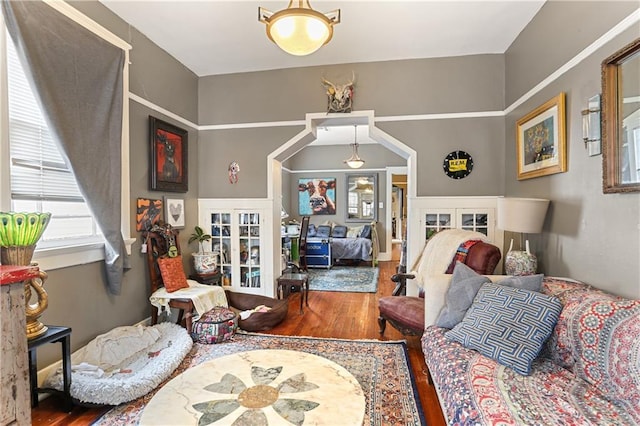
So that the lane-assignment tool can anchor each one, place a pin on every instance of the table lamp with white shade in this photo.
(525, 216)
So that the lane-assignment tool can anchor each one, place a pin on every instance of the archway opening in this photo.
(306, 137)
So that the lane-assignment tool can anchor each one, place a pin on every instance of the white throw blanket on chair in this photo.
(204, 297)
(439, 251)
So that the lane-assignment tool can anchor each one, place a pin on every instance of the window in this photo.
(74, 238)
(40, 180)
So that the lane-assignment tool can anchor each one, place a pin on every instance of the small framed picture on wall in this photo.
(148, 213)
(174, 213)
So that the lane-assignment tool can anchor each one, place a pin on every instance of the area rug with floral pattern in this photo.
(271, 389)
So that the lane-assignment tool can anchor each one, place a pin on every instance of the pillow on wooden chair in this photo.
(172, 273)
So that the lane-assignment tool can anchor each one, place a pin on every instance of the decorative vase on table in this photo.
(19, 234)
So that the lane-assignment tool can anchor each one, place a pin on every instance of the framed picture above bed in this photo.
(362, 198)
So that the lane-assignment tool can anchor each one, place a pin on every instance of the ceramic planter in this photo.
(204, 263)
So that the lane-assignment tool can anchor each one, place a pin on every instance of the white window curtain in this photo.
(77, 78)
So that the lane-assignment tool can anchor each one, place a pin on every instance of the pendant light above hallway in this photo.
(355, 162)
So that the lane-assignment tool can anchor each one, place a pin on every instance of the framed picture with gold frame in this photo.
(541, 140)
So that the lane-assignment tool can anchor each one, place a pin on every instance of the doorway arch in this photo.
(308, 135)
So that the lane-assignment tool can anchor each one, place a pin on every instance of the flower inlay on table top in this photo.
(252, 399)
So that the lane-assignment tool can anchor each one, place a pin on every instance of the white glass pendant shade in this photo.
(355, 162)
(299, 35)
(298, 29)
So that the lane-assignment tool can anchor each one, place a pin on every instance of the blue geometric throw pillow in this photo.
(508, 324)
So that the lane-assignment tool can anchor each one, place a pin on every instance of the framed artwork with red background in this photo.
(168, 163)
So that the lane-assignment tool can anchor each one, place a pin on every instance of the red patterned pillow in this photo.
(172, 273)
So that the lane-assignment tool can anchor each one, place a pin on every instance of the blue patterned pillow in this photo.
(508, 324)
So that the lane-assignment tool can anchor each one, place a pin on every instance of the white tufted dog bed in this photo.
(125, 363)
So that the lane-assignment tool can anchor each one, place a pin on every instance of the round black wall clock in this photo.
(457, 164)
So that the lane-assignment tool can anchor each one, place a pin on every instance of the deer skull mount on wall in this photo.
(339, 97)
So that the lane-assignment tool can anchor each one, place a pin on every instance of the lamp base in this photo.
(520, 263)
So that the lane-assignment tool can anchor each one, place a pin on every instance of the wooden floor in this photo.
(330, 314)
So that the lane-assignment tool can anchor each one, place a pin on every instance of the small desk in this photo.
(296, 280)
(53, 334)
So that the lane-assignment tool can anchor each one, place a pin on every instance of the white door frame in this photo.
(390, 172)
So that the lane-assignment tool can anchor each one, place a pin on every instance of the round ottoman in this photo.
(215, 326)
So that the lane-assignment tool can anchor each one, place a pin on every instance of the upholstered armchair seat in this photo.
(404, 313)
(407, 313)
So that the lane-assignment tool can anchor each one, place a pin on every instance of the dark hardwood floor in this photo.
(330, 314)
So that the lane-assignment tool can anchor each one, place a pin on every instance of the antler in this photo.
(353, 79)
(328, 84)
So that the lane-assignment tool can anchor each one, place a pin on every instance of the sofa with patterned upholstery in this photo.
(586, 371)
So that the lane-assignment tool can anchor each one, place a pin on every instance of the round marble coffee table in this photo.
(263, 387)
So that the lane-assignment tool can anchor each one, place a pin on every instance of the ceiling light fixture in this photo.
(299, 30)
(355, 162)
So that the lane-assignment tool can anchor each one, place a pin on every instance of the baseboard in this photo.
(384, 256)
(46, 371)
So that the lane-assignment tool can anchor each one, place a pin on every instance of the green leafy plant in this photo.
(200, 236)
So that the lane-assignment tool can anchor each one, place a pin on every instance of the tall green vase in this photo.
(19, 234)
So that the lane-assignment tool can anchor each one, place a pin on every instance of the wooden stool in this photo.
(295, 280)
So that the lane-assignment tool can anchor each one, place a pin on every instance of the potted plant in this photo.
(203, 262)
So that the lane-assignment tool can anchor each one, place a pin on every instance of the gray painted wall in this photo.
(248, 147)
(418, 86)
(77, 295)
(422, 86)
(587, 235)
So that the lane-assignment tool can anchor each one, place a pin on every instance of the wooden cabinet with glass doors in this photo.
(235, 239)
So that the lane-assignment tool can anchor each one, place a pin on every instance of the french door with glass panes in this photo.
(237, 243)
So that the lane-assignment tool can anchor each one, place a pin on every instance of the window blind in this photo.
(38, 171)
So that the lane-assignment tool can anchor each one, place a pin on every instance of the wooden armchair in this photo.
(158, 241)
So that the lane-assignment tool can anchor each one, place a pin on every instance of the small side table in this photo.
(54, 334)
(296, 280)
(214, 278)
